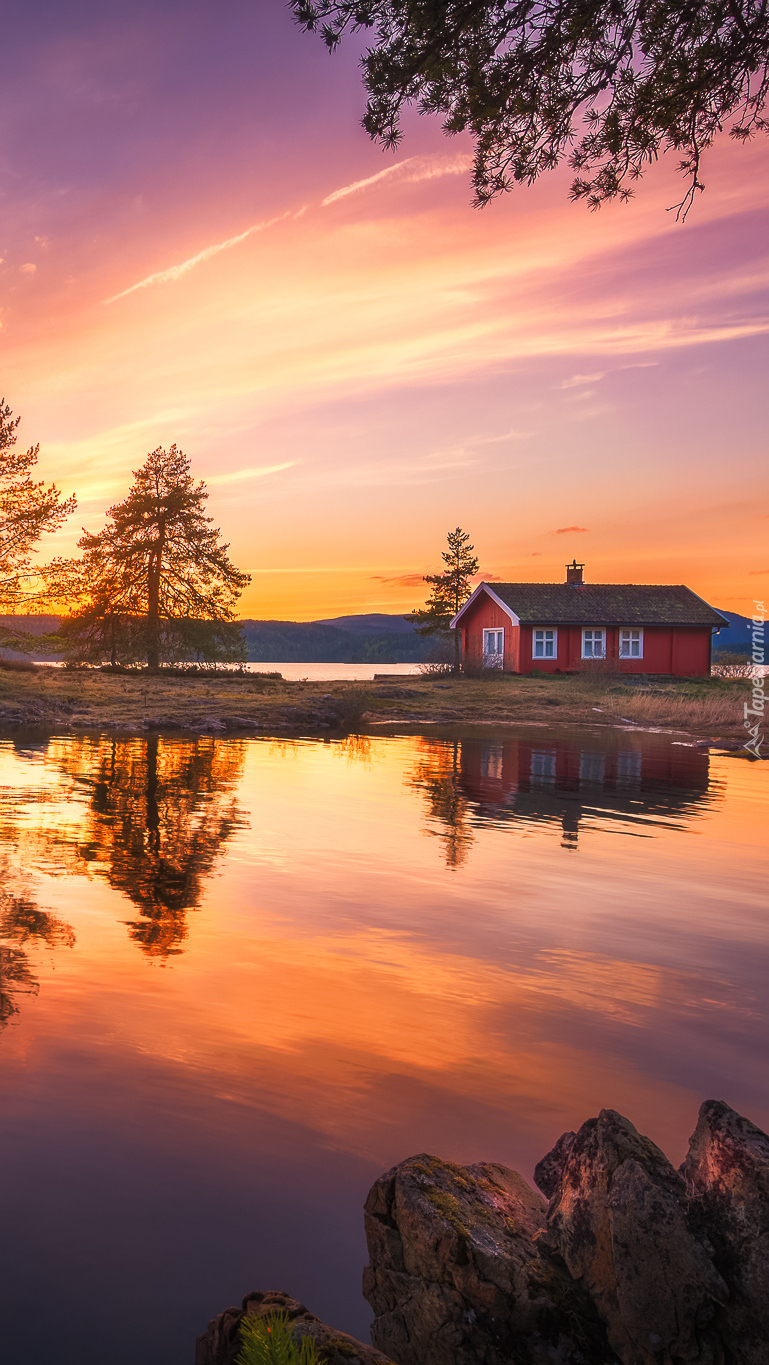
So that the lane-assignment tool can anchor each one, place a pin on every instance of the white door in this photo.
(493, 648)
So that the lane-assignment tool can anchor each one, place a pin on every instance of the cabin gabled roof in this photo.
(599, 604)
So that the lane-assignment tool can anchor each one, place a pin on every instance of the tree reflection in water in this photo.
(159, 812)
(612, 781)
(22, 925)
(437, 774)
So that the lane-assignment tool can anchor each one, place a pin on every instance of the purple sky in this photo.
(356, 372)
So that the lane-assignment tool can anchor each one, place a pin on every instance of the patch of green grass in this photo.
(270, 1340)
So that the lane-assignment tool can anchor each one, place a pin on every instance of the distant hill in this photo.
(375, 639)
(346, 639)
(376, 623)
(738, 637)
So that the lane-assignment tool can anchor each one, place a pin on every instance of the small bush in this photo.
(351, 706)
(479, 671)
(269, 1340)
(598, 674)
(17, 666)
(441, 658)
(433, 668)
(729, 663)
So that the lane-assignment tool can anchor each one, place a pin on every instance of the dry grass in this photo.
(240, 701)
(715, 712)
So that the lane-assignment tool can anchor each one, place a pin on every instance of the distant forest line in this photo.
(375, 638)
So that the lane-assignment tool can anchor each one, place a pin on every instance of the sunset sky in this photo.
(200, 245)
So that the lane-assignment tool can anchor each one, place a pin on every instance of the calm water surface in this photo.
(336, 672)
(239, 978)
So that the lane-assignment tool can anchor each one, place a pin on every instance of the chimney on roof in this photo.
(574, 572)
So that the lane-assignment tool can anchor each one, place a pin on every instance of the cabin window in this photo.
(593, 643)
(592, 768)
(542, 767)
(493, 648)
(492, 761)
(628, 767)
(631, 644)
(545, 644)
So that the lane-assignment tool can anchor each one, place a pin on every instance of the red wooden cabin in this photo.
(554, 627)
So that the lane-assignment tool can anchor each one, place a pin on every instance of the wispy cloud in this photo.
(175, 272)
(404, 580)
(511, 435)
(565, 530)
(364, 184)
(414, 169)
(257, 472)
(577, 380)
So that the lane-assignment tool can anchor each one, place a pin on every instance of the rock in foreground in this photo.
(727, 1172)
(457, 1275)
(631, 1263)
(220, 1343)
(621, 1218)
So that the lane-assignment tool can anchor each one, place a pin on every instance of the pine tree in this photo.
(606, 87)
(28, 509)
(157, 570)
(448, 591)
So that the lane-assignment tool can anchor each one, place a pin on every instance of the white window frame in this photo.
(592, 768)
(629, 767)
(630, 631)
(543, 765)
(493, 658)
(544, 631)
(592, 631)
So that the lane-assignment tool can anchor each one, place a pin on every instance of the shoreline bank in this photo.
(709, 710)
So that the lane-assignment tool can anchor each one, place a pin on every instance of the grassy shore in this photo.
(53, 698)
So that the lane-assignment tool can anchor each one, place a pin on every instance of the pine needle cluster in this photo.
(270, 1340)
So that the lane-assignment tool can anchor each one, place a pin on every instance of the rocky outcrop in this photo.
(456, 1273)
(621, 1218)
(631, 1263)
(220, 1343)
(727, 1175)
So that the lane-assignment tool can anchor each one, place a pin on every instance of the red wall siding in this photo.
(486, 615)
(691, 652)
(681, 650)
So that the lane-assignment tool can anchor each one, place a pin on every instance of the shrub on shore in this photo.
(269, 1340)
(729, 663)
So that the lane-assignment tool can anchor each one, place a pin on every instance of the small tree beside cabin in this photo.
(448, 590)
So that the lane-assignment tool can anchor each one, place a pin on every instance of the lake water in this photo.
(240, 978)
(335, 672)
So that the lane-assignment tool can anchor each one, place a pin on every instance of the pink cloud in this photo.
(404, 580)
